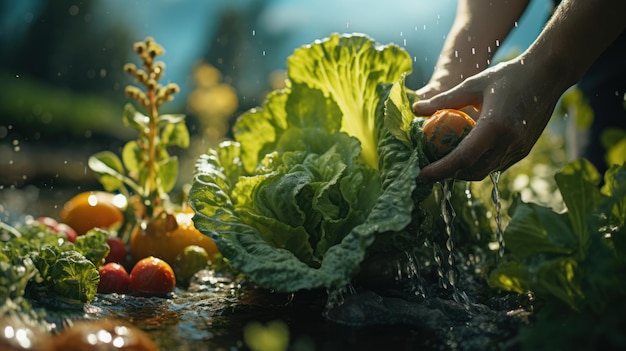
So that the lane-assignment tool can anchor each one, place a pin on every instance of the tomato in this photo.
(93, 209)
(113, 279)
(444, 131)
(57, 227)
(103, 335)
(118, 251)
(167, 236)
(152, 276)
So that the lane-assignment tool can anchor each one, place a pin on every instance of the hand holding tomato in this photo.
(512, 117)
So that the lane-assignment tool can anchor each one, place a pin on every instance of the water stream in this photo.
(495, 198)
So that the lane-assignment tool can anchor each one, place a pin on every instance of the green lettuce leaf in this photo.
(313, 177)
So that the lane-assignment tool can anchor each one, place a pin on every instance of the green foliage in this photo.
(146, 167)
(576, 257)
(39, 263)
(313, 177)
(614, 141)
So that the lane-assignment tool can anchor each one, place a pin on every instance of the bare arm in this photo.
(516, 98)
(478, 30)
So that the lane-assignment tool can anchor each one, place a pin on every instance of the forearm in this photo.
(578, 32)
(479, 28)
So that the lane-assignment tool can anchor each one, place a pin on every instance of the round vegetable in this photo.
(103, 335)
(192, 259)
(167, 236)
(444, 130)
(118, 250)
(57, 227)
(152, 276)
(93, 209)
(113, 279)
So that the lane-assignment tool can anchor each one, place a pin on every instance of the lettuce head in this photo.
(313, 180)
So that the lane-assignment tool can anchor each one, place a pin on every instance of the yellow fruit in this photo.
(93, 209)
(167, 236)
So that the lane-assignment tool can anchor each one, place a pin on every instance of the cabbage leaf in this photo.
(313, 177)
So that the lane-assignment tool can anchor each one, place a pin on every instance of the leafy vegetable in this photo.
(577, 257)
(38, 263)
(313, 177)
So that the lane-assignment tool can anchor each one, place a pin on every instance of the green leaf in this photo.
(167, 172)
(535, 229)
(108, 169)
(135, 119)
(578, 183)
(174, 131)
(134, 157)
(74, 278)
(330, 66)
(93, 245)
(398, 115)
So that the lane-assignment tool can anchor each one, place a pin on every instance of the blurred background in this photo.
(62, 84)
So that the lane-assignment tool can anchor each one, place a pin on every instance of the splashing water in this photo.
(470, 204)
(448, 214)
(495, 197)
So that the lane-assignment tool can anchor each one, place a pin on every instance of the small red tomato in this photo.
(118, 250)
(60, 228)
(70, 233)
(113, 279)
(152, 276)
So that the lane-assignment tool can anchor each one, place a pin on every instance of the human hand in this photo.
(515, 101)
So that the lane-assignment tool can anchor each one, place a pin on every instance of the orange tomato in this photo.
(93, 209)
(167, 236)
(444, 131)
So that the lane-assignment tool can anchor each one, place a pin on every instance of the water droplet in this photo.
(253, 32)
(524, 122)
(516, 24)
(473, 51)
(497, 42)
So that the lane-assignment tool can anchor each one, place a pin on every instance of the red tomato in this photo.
(57, 227)
(118, 250)
(113, 279)
(152, 276)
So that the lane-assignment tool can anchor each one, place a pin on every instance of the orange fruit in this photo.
(167, 236)
(93, 209)
(444, 130)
